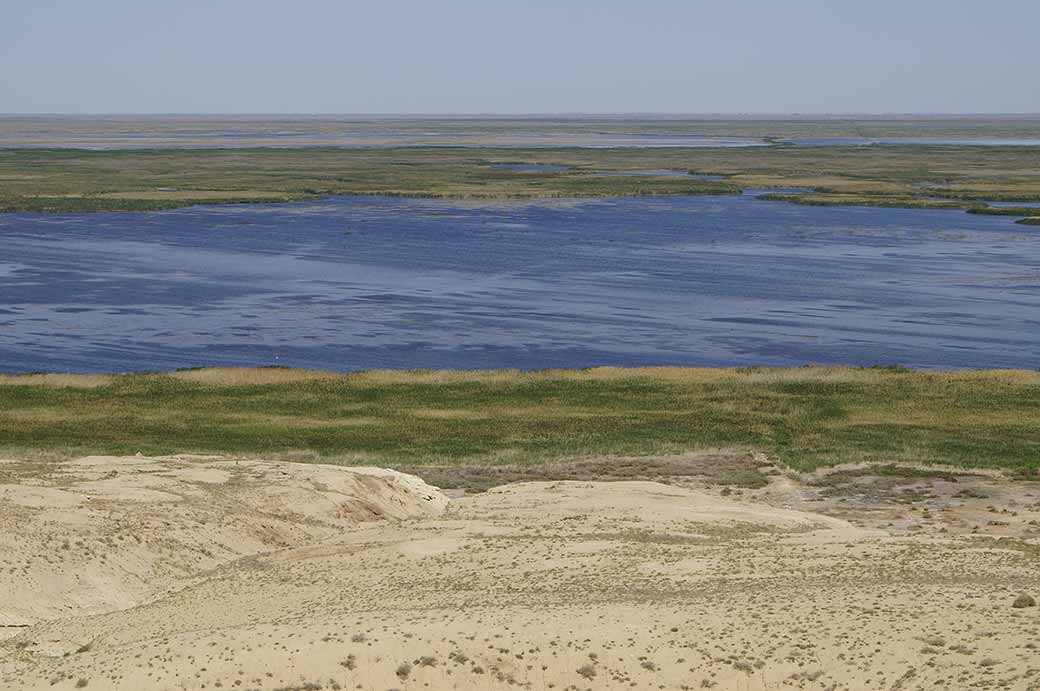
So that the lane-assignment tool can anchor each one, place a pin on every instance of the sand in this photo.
(187, 573)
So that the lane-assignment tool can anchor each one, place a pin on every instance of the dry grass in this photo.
(250, 376)
(261, 376)
(79, 381)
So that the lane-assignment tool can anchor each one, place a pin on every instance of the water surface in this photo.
(355, 283)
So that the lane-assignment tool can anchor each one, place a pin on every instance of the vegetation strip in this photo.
(68, 180)
(806, 417)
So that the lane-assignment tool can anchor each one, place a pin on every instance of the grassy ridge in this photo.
(808, 417)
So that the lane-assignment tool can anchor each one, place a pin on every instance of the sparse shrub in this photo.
(587, 671)
(81, 682)
(806, 676)
(1023, 601)
(743, 666)
(403, 670)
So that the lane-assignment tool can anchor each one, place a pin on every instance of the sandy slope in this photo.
(102, 533)
(541, 585)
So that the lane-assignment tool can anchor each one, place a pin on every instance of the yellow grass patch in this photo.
(831, 182)
(78, 381)
(440, 414)
(304, 422)
(253, 376)
(994, 187)
(250, 376)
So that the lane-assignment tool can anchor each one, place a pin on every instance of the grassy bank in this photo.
(807, 417)
(876, 200)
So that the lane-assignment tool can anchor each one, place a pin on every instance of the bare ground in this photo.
(186, 573)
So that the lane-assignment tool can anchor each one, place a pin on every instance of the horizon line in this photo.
(503, 114)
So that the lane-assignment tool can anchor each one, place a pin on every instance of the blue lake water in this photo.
(356, 283)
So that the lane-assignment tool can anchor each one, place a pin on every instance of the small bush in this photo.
(1023, 601)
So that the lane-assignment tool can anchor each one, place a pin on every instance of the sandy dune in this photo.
(206, 574)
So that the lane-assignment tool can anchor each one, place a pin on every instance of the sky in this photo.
(519, 56)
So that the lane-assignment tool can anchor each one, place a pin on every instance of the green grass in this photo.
(807, 417)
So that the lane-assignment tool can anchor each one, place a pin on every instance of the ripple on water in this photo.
(724, 280)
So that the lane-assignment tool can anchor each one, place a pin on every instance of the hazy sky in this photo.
(519, 56)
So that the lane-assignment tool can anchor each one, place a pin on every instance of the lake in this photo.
(366, 282)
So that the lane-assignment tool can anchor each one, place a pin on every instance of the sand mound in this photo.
(103, 533)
